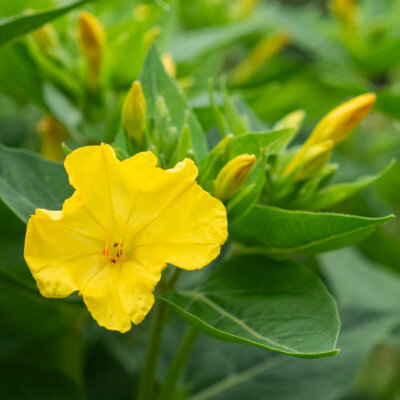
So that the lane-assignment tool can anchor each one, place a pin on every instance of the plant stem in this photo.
(146, 382)
(178, 364)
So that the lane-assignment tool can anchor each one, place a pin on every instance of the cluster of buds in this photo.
(331, 130)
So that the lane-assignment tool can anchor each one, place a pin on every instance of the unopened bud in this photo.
(264, 50)
(336, 125)
(314, 159)
(91, 39)
(345, 12)
(233, 176)
(151, 35)
(293, 120)
(52, 135)
(169, 64)
(134, 113)
(46, 37)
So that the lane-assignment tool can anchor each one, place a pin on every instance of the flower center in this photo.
(114, 252)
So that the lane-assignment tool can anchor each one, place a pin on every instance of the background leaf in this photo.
(283, 231)
(28, 181)
(12, 28)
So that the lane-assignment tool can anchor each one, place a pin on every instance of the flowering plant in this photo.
(184, 238)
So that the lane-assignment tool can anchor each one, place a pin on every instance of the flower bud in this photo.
(264, 50)
(336, 125)
(169, 64)
(233, 176)
(134, 113)
(314, 159)
(52, 135)
(345, 12)
(292, 120)
(91, 39)
(46, 37)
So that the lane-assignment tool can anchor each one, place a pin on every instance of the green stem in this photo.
(146, 382)
(177, 365)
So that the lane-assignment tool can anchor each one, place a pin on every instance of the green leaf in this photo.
(225, 371)
(278, 306)
(359, 283)
(156, 82)
(28, 181)
(282, 231)
(252, 143)
(342, 191)
(14, 27)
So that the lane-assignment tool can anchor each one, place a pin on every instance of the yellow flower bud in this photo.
(336, 125)
(52, 135)
(314, 159)
(91, 39)
(151, 35)
(46, 37)
(264, 50)
(169, 64)
(345, 12)
(292, 120)
(243, 8)
(233, 176)
(134, 113)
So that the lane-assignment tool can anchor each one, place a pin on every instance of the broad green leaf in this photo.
(278, 306)
(14, 27)
(225, 371)
(335, 194)
(27, 182)
(359, 283)
(254, 142)
(282, 231)
(156, 82)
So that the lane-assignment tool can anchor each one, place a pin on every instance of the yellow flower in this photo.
(233, 176)
(114, 236)
(134, 113)
(336, 125)
(91, 39)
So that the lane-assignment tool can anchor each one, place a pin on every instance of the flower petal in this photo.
(119, 294)
(63, 248)
(188, 233)
(96, 173)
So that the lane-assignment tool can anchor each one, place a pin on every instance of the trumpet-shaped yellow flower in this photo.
(336, 125)
(114, 236)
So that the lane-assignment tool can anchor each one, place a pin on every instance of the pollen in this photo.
(114, 251)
